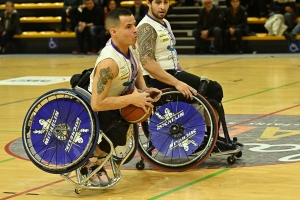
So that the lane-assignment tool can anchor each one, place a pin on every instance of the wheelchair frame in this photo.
(36, 149)
(221, 145)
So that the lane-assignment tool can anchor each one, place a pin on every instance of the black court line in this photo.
(4, 104)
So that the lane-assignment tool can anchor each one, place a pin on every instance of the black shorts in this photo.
(214, 89)
(116, 133)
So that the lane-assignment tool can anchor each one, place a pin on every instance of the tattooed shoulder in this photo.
(147, 41)
(105, 74)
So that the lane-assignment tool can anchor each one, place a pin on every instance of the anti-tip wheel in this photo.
(77, 190)
(140, 165)
(231, 160)
(239, 154)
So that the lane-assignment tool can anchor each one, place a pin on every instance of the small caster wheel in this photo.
(231, 160)
(77, 190)
(239, 154)
(140, 165)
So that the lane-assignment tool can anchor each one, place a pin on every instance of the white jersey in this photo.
(128, 68)
(165, 52)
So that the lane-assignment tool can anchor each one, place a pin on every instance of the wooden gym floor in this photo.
(261, 92)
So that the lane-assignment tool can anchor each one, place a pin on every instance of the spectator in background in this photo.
(102, 3)
(91, 24)
(244, 3)
(292, 35)
(111, 5)
(70, 10)
(288, 9)
(236, 22)
(209, 24)
(138, 10)
(256, 8)
(10, 24)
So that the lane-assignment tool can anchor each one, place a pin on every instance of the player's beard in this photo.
(156, 14)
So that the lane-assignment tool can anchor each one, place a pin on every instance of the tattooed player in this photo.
(158, 55)
(116, 71)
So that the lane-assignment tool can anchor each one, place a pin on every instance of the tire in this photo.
(60, 131)
(175, 137)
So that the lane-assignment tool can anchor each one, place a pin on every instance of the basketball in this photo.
(134, 114)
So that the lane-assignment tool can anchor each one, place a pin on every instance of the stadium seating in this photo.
(39, 19)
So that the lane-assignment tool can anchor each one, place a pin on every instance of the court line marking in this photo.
(33, 189)
(6, 160)
(189, 184)
(4, 104)
(10, 130)
(265, 115)
(243, 122)
(170, 191)
(248, 95)
(213, 63)
(152, 198)
(199, 180)
(222, 102)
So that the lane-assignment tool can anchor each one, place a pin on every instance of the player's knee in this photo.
(214, 91)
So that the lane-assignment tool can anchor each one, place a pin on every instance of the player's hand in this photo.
(155, 93)
(185, 89)
(142, 99)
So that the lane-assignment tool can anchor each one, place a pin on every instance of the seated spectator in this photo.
(256, 8)
(101, 3)
(111, 5)
(188, 3)
(244, 3)
(271, 6)
(209, 24)
(236, 22)
(10, 24)
(288, 9)
(292, 35)
(91, 24)
(70, 10)
(138, 10)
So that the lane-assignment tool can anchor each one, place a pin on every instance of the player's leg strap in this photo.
(203, 85)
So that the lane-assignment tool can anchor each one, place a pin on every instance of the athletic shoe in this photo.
(289, 36)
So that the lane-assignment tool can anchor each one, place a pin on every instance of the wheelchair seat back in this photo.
(81, 80)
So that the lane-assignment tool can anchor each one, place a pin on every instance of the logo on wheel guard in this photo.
(75, 135)
(50, 127)
(177, 129)
(47, 126)
(184, 141)
(168, 117)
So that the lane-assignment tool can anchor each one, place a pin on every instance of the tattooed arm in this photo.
(105, 72)
(147, 43)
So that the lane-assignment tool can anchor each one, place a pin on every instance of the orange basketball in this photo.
(134, 114)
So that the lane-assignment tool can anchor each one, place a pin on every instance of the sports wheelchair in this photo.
(60, 132)
(182, 133)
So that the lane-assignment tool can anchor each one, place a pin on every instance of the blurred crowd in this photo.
(220, 22)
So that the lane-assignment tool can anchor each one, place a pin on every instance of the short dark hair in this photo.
(11, 3)
(113, 17)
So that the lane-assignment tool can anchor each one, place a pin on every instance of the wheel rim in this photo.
(176, 133)
(58, 131)
(155, 148)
